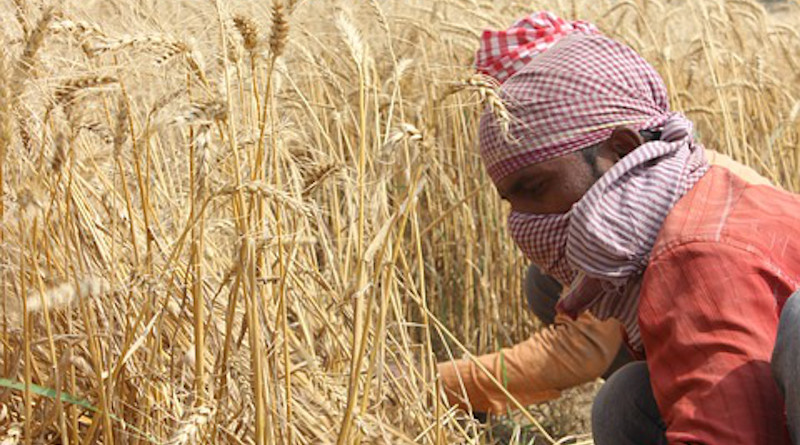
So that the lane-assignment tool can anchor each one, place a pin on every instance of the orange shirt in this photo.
(566, 354)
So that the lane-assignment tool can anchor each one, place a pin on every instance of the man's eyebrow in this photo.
(518, 183)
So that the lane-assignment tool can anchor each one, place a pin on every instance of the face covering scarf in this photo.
(601, 247)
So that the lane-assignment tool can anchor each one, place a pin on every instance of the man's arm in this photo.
(565, 354)
(708, 318)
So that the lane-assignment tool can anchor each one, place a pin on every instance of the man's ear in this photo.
(624, 140)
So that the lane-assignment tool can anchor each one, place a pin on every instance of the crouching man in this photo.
(613, 197)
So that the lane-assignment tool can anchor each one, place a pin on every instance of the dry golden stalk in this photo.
(6, 119)
(67, 91)
(121, 126)
(12, 434)
(33, 42)
(59, 153)
(199, 160)
(317, 175)
(80, 29)
(279, 33)
(192, 429)
(248, 29)
(5, 147)
(203, 112)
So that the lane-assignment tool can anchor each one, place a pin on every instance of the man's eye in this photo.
(530, 189)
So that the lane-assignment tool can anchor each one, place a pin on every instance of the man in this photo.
(564, 354)
(613, 197)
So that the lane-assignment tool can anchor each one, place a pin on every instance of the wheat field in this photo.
(224, 220)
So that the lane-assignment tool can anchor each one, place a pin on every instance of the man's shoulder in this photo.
(743, 171)
(724, 208)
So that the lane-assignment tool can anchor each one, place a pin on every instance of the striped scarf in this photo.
(602, 245)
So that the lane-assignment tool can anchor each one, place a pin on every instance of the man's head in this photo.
(576, 109)
(588, 196)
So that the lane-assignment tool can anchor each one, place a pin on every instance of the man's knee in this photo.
(786, 362)
(624, 411)
(541, 292)
(621, 393)
(786, 355)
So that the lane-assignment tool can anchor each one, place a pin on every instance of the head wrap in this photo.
(568, 98)
(565, 99)
(503, 53)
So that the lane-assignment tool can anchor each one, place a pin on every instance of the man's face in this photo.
(553, 186)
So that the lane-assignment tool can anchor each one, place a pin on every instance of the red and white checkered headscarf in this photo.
(503, 53)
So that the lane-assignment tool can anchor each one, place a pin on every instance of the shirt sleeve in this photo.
(560, 356)
(708, 317)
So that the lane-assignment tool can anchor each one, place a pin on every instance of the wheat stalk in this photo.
(279, 33)
(248, 29)
(191, 430)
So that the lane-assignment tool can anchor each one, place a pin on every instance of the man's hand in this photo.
(583, 293)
